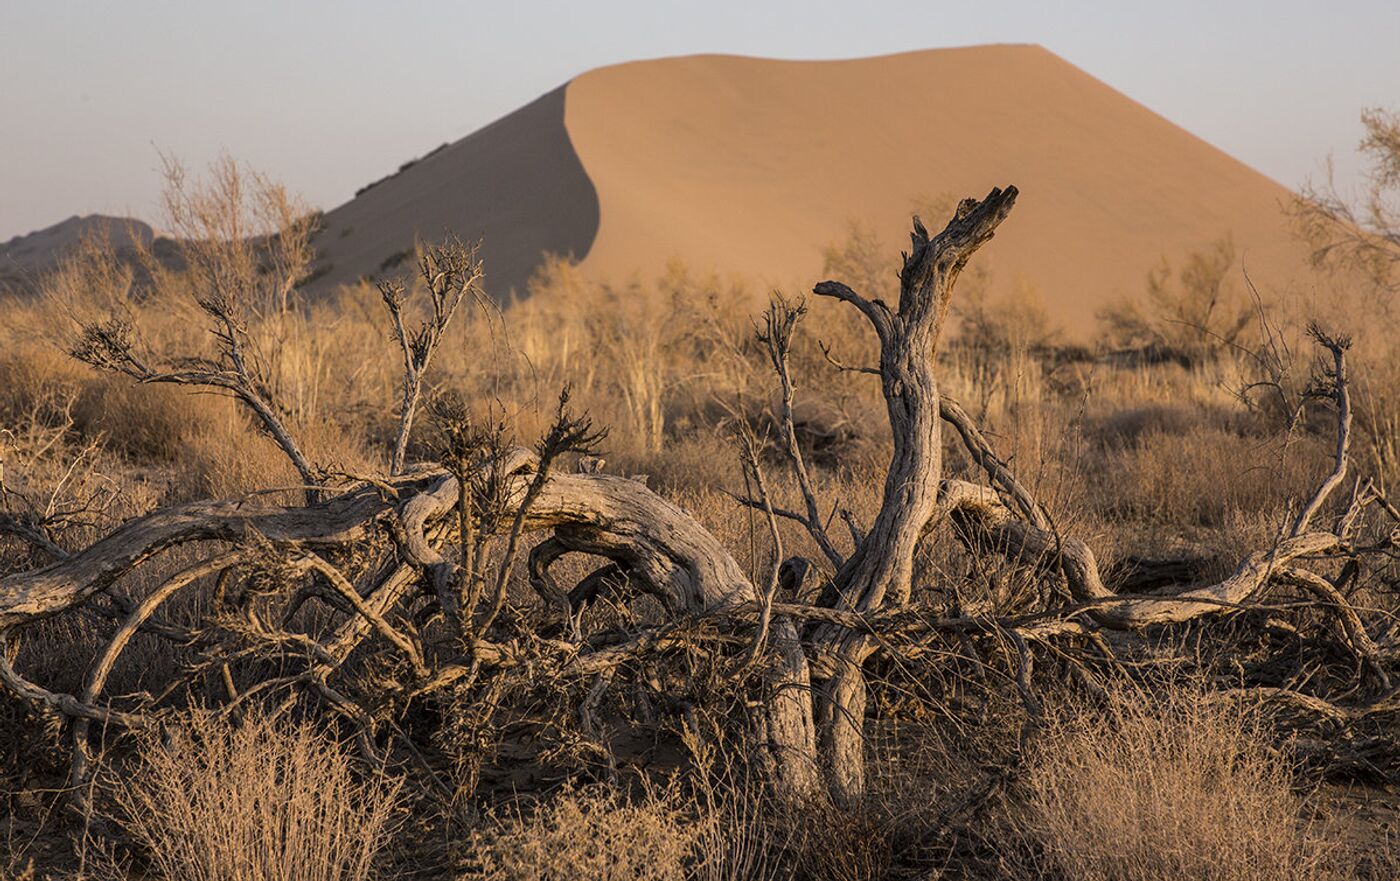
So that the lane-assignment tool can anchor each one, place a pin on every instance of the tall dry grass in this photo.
(594, 835)
(260, 799)
(1165, 785)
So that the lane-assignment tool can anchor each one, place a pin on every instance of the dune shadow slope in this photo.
(517, 184)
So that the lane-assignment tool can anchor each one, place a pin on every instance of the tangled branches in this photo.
(382, 597)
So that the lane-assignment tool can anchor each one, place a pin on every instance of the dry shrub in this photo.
(148, 423)
(1203, 475)
(226, 458)
(1013, 321)
(829, 843)
(1172, 785)
(229, 457)
(863, 260)
(1193, 313)
(1127, 425)
(736, 838)
(738, 827)
(698, 463)
(592, 835)
(37, 381)
(263, 799)
(1377, 403)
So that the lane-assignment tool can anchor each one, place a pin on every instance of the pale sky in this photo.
(327, 96)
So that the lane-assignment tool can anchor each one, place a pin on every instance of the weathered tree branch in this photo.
(880, 571)
(450, 271)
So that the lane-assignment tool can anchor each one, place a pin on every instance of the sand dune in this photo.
(517, 183)
(749, 166)
(752, 166)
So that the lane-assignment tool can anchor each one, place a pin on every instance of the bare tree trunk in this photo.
(792, 735)
(880, 571)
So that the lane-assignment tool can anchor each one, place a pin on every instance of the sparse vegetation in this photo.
(258, 799)
(588, 835)
(475, 623)
(1189, 314)
(1165, 784)
(1364, 236)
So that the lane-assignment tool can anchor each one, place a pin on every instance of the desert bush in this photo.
(1016, 321)
(151, 424)
(862, 258)
(1190, 313)
(260, 799)
(1125, 427)
(65, 490)
(736, 840)
(38, 382)
(839, 844)
(643, 355)
(1171, 784)
(1358, 241)
(592, 834)
(228, 459)
(242, 246)
(1362, 237)
(1378, 418)
(1199, 476)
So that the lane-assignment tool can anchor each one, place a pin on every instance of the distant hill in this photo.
(751, 166)
(24, 259)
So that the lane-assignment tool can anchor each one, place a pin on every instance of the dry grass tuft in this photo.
(835, 844)
(592, 835)
(1202, 476)
(1168, 786)
(263, 799)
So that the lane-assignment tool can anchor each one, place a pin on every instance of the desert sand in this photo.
(751, 166)
(516, 184)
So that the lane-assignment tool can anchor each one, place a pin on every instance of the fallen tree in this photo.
(413, 567)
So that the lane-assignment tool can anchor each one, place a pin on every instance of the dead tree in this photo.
(879, 573)
(243, 247)
(388, 557)
(450, 272)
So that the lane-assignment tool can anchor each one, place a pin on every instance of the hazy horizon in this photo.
(327, 98)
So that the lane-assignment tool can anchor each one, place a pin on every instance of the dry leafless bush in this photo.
(1362, 235)
(1189, 314)
(1158, 784)
(587, 834)
(258, 799)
